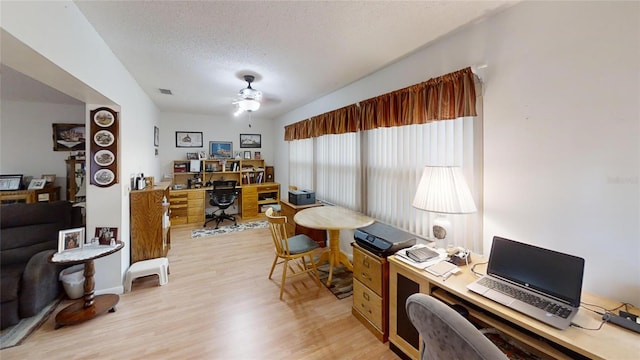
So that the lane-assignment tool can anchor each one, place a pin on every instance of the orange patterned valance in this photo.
(446, 97)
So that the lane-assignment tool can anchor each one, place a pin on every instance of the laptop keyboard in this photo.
(525, 297)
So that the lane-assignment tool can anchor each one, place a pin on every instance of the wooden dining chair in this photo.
(291, 250)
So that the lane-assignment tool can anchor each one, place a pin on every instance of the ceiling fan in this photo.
(249, 99)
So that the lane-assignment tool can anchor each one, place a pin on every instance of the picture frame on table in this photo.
(37, 184)
(192, 156)
(189, 139)
(247, 154)
(68, 137)
(70, 239)
(105, 234)
(49, 178)
(257, 155)
(221, 149)
(10, 182)
(250, 140)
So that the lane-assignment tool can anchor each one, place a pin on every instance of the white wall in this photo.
(58, 33)
(213, 128)
(561, 128)
(26, 144)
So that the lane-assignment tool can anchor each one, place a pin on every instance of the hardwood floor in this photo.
(218, 304)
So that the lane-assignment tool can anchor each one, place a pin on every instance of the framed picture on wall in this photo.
(156, 136)
(221, 149)
(186, 139)
(68, 137)
(250, 140)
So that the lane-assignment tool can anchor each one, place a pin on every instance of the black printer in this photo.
(382, 239)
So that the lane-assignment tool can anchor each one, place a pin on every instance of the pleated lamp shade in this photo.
(442, 189)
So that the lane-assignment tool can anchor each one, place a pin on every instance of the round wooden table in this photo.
(90, 306)
(333, 219)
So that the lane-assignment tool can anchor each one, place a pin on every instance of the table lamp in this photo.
(443, 190)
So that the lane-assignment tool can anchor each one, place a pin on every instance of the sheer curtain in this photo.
(301, 163)
(338, 179)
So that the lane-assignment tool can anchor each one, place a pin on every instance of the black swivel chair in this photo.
(223, 195)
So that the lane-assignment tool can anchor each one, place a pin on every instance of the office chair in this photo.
(290, 249)
(446, 334)
(223, 195)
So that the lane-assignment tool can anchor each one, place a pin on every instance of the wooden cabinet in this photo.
(76, 187)
(371, 291)
(255, 197)
(289, 210)
(150, 224)
(48, 194)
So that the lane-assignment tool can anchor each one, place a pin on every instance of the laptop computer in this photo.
(541, 283)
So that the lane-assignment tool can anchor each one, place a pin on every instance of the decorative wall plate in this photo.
(103, 118)
(104, 138)
(104, 158)
(104, 177)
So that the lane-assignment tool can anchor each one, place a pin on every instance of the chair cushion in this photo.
(301, 243)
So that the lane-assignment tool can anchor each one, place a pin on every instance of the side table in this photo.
(89, 306)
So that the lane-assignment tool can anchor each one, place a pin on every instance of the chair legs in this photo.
(304, 268)
(220, 218)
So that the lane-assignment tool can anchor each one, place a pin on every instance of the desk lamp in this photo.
(443, 190)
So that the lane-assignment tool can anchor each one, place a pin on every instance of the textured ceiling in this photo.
(298, 50)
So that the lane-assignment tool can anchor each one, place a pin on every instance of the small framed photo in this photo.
(71, 239)
(10, 182)
(156, 136)
(68, 137)
(37, 184)
(187, 139)
(257, 155)
(202, 155)
(250, 140)
(50, 178)
(221, 149)
(106, 235)
(192, 156)
(247, 154)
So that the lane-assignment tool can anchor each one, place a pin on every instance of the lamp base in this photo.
(440, 230)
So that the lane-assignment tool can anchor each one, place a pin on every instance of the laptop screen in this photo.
(550, 272)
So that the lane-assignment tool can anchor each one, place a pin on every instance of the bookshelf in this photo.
(244, 171)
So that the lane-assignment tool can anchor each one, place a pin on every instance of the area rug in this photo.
(19, 332)
(341, 281)
(229, 229)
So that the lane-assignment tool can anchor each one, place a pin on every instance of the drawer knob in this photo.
(365, 263)
(366, 296)
(364, 275)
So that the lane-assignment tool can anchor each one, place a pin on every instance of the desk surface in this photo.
(610, 342)
(331, 218)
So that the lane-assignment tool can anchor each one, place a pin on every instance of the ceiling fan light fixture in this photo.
(248, 105)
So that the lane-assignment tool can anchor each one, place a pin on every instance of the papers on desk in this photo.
(437, 266)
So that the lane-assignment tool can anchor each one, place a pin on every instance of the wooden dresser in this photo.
(150, 235)
(371, 291)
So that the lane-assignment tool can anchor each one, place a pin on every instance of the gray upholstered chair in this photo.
(446, 334)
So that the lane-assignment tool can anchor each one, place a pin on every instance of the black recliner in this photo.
(223, 195)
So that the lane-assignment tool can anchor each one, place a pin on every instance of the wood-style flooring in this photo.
(218, 304)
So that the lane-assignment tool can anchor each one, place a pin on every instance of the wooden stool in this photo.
(159, 266)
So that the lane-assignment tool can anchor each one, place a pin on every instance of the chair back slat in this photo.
(278, 232)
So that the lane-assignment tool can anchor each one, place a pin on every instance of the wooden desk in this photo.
(52, 193)
(333, 219)
(610, 342)
(90, 306)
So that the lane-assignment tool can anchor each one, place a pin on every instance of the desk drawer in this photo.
(269, 188)
(196, 194)
(367, 303)
(368, 270)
